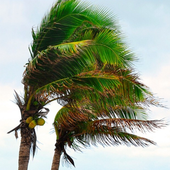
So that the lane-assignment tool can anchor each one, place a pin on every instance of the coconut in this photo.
(32, 124)
(29, 119)
(40, 121)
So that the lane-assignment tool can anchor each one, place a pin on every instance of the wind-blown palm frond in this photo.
(75, 55)
(63, 19)
(68, 117)
(107, 83)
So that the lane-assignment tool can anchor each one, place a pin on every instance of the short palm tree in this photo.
(77, 56)
(81, 127)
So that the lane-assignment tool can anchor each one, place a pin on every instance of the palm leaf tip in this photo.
(136, 140)
(68, 159)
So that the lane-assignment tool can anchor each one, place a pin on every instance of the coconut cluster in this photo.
(32, 122)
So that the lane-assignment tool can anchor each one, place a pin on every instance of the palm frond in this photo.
(75, 55)
(130, 124)
(92, 134)
(60, 23)
(96, 85)
(56, 63)
(116, 138)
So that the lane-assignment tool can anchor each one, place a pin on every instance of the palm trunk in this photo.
(56, 159)
(25, 146)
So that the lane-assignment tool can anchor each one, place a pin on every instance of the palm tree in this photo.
(77, 54)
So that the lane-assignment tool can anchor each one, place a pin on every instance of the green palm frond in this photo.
(56, 62)
(115, 137)
(100, 82)
(63, 19)
(112, 49)
(115, 111)
(85, 54)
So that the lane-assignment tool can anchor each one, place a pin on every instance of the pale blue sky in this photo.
(146, 25)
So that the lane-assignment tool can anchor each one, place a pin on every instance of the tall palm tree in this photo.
(77, 55)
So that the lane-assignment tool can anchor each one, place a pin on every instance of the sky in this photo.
(145, 24)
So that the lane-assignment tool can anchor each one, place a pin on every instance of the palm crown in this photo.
(76, 49)
(78, 128)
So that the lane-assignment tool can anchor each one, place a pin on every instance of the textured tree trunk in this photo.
(56, 160)
(24, 152)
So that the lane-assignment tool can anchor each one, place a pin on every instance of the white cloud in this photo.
(159, 81)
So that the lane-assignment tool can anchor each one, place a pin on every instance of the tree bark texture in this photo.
(24, 152)
(56, 159)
